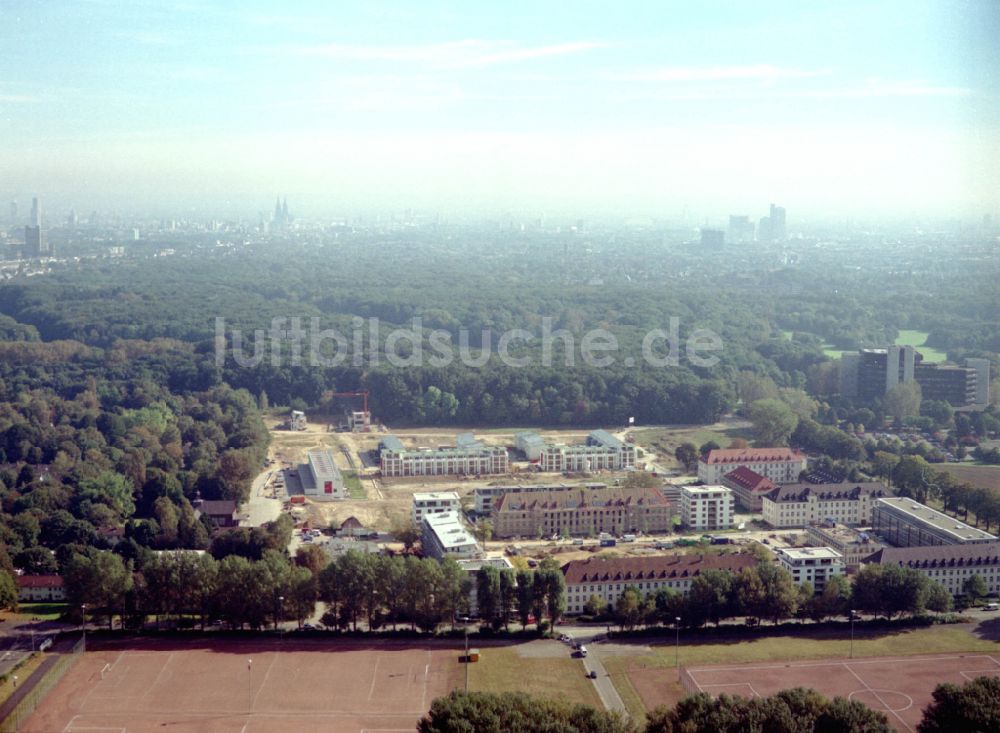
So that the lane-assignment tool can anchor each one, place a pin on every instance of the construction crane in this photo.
(365, 415)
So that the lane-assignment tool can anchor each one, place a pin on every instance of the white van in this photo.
(583, 651)
(992, 607)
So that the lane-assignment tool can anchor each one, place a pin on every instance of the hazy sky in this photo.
(846, 108)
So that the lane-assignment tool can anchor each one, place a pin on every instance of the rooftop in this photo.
(809, 553)
(561, 499)
(752, 455)
(392, 443)
(925, 515)
(39, 581)
(449, 530)
(939, 555)
(322, 466)
(828, 492)
(652, 567)
(435, 496)
(749, 479)
(705, 490)
(603, 437)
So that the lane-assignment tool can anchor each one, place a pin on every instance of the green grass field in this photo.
(43, 611)
(829, 644)
(666, 440)
(502, 669)
(918, 339)
(353, 485)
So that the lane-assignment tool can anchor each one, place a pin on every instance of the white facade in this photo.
(949, 565)
(444, 535)
(813, 565)
(320, 477)
(433, 502)
(608, 578)
(601, 452)
(468, 458)
(799, 506)
(707, 507)
(781, 465)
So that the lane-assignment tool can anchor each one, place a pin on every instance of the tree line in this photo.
(768, 592)
(969, 707)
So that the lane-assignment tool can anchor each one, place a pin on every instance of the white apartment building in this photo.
(468, 458)
(949, 565)
(813, 565)
(433, 502)
(781, 465)
(607, 578)
(444, 535)
(707, 507)
(799, 505)
(602, 451)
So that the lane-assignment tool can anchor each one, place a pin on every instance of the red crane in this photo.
(366, 426)
(363, 394)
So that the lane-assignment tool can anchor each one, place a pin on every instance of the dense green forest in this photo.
(118, 409)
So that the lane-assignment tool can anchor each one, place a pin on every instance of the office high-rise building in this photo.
(764, 229)
(777, 222)
(36, 212)
(741, 229)
(36, 244)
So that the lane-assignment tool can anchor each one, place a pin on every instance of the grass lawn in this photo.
(666, 440)
(42, 611)
(830, 644)
(502, 669)
(353, 485)
(917, 339)
(23, 672)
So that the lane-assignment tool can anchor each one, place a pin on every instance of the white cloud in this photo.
(758, 72)
(450, 54)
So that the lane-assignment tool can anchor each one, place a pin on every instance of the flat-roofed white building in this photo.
(854, 545)
(798, 505)
(949, 565)
(433, 502)
(444, 535)
(320, 477)
(907, 523)
(781, 465)
(813, 565)
(469, 457)
(707, 507)
(601, 452)
(472, 568)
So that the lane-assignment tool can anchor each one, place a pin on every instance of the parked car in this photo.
(592, 674)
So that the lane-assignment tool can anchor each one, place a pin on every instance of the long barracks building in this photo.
(607, 578)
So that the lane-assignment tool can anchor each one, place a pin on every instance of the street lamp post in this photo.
(83, 616)
(677, 642)
(852, 633)
(249, 685)
(466, 658)
(278, 611)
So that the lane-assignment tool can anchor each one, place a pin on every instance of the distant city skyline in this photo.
(833, 110)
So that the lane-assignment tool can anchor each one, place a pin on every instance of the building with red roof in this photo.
(40, 588)
(748, 487)
(780, 465)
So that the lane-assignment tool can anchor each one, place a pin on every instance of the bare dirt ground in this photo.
(388, 501)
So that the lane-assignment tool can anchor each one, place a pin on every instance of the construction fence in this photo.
(39, 685)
